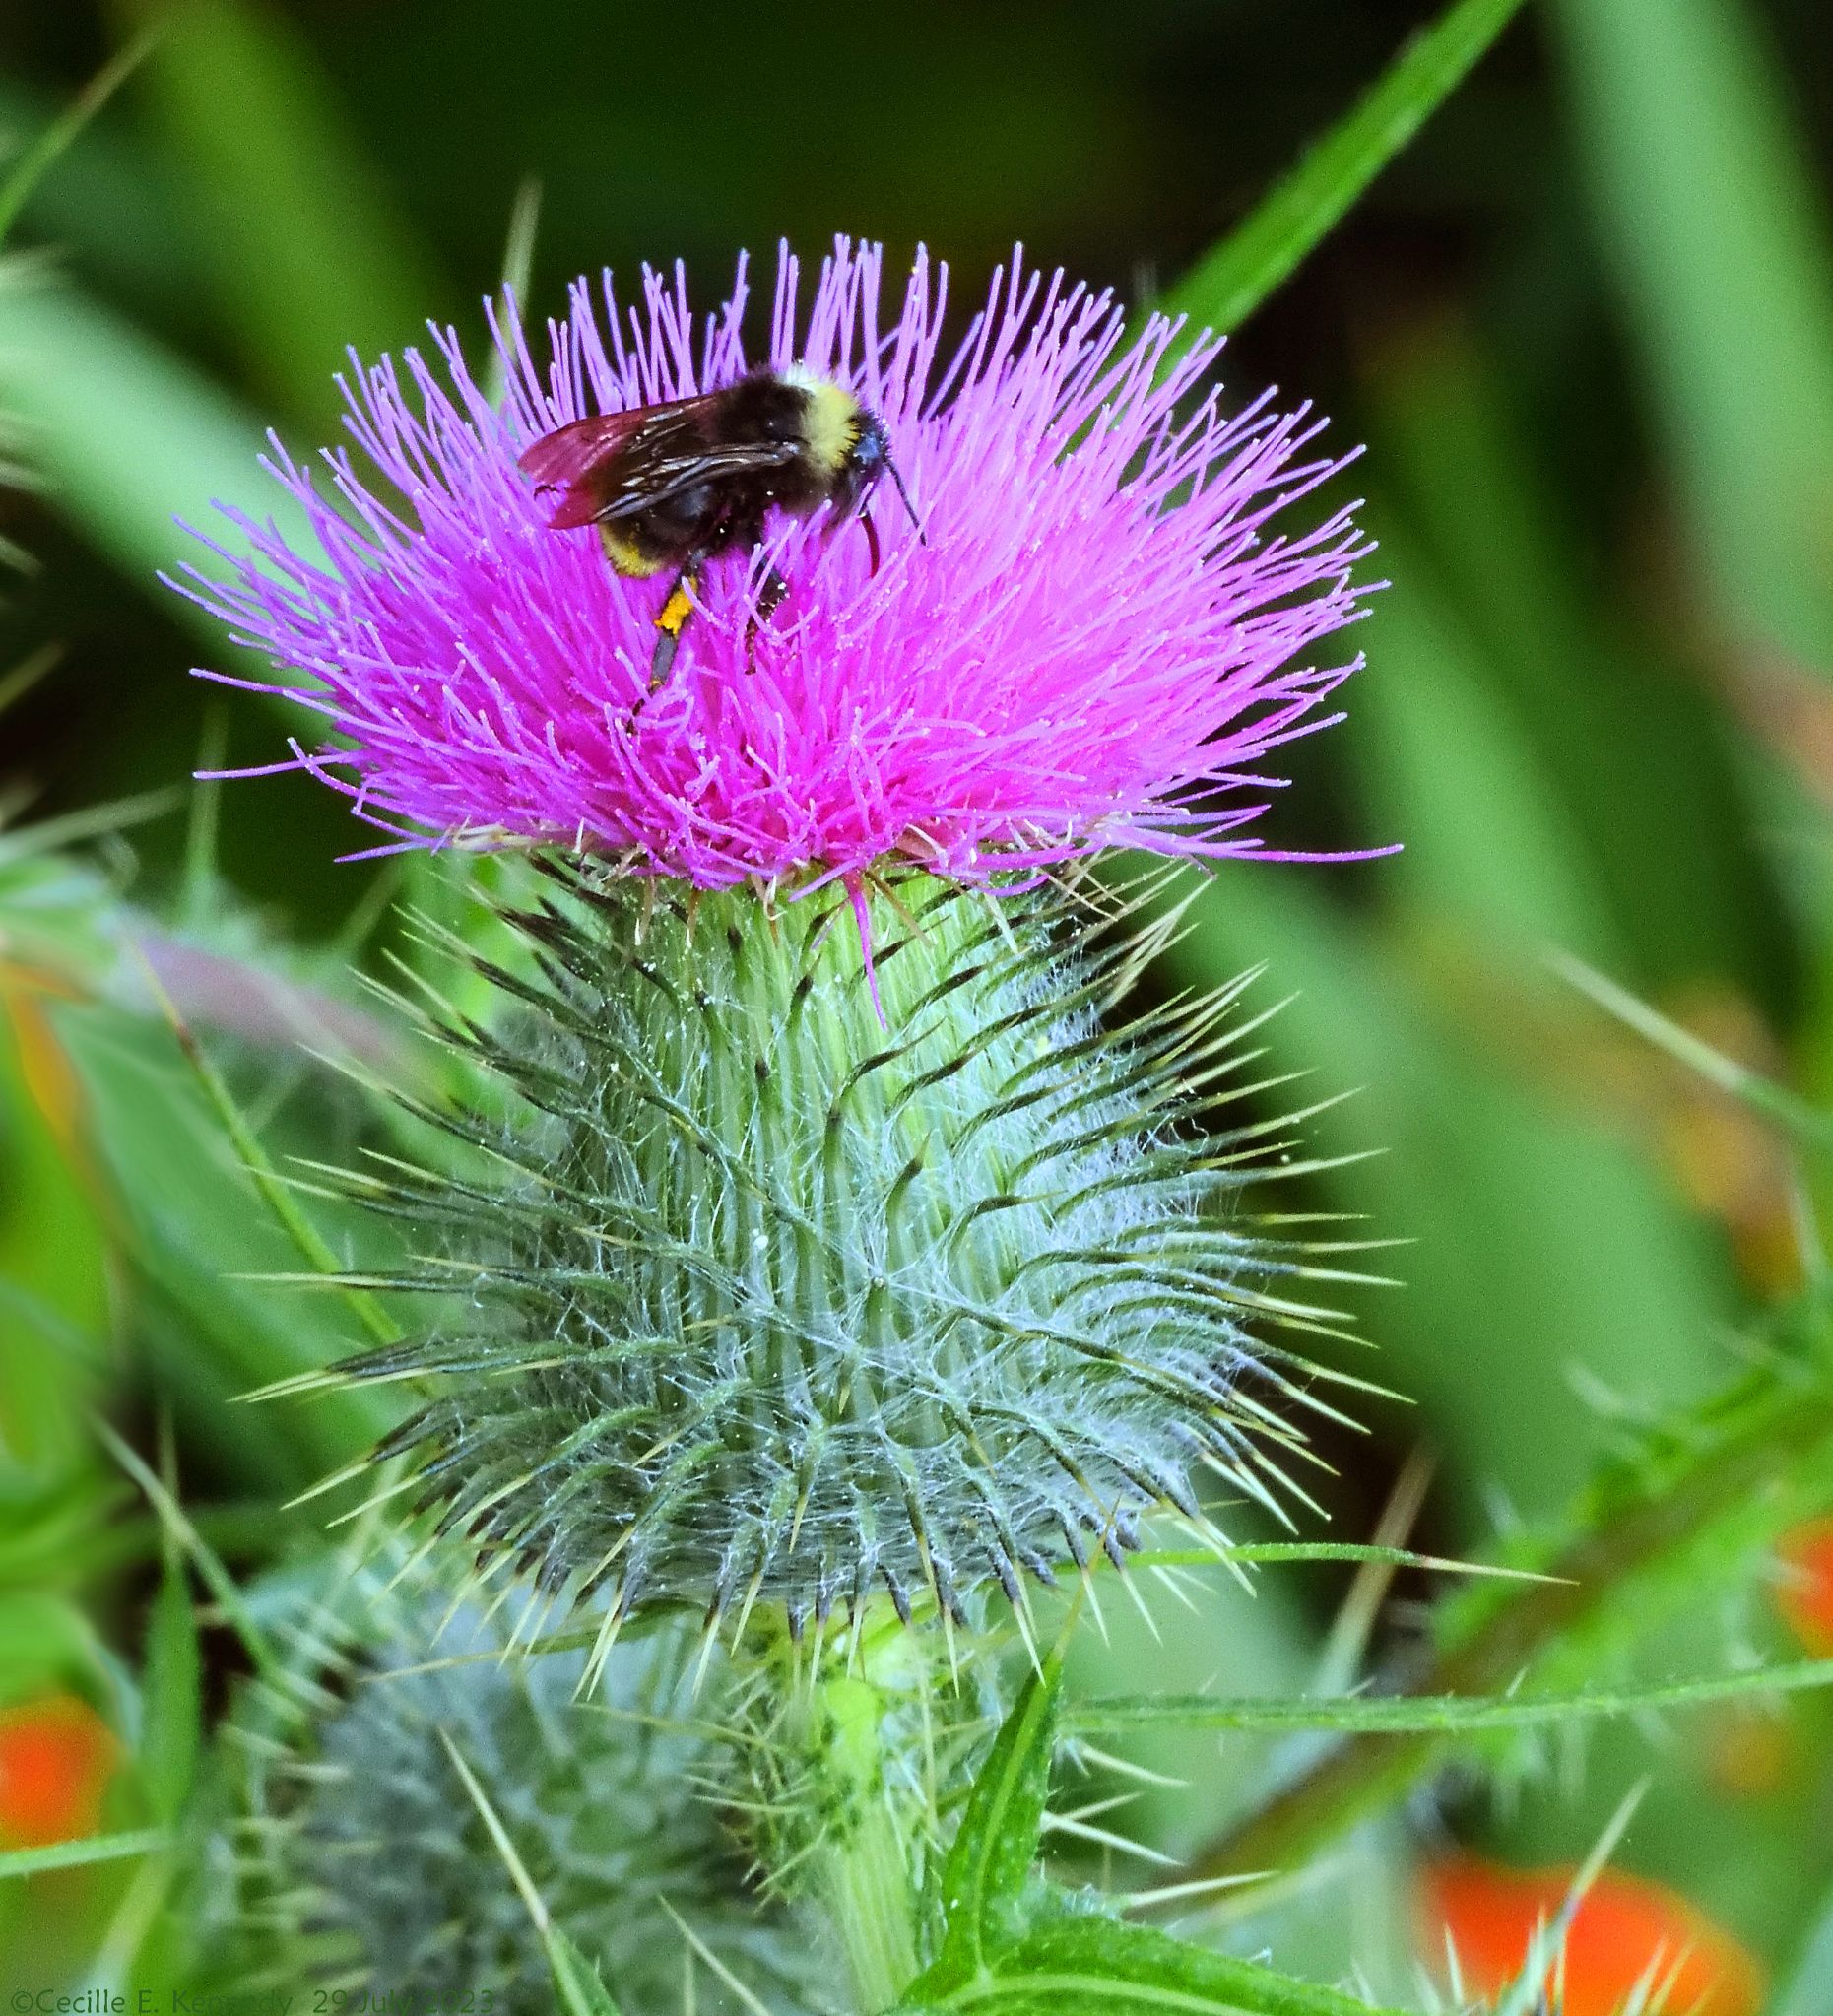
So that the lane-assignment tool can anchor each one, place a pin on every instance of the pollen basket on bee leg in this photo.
(676, 610)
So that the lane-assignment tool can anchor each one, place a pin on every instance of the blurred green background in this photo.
(1584, 325)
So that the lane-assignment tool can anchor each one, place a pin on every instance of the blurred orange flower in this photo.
(1490, 1915)
(56, 1757)
(1805, 1594)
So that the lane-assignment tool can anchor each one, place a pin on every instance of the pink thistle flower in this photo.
(1098, 644)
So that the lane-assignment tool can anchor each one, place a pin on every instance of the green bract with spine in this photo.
(777, 1269)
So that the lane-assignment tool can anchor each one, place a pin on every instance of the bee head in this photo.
(865, 459)
(869, 459)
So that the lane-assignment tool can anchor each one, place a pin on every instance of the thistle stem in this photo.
(852, 1733)
(864, 1865)
(1742, 1486)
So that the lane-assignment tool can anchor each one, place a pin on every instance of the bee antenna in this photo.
(897, 478)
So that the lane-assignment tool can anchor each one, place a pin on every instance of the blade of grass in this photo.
(191, 1218)
(518, 266)
(28, 171)
(76, 1854)
(1230, 281)
(128, 438)
(575, 1980)
(1719, 241)
(306, 1238)
(1631, 744)
(48, 836)
(306, 251)
(1342, 1661)
(1804, 1125)
(17, 684)
(203, 1557)
(108, 203)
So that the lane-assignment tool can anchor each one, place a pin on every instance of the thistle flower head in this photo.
(1097, 640)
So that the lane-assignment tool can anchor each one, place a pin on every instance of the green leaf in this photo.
(101, 397)
(1719, 240)
(45, 1324)
(1632, 750)
(1442, 1713)
(1542, 1237)
(193, 1220)
(173, 1697)
(1100, 1965)
(56, 1529)
(73, 1854)
(990, 1860)
(576, 1981)
(1489, 848)
(1804, 1991)
(45, 1642)
(53, 1234)
(1235, 278)
(306, 252)
(1669, 1521)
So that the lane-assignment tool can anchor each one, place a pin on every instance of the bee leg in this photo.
(672, 621)
(871, 536)
(769, 600)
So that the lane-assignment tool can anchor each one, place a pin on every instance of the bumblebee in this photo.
(675, 485)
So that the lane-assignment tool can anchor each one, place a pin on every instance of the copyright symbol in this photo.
(22, 2001)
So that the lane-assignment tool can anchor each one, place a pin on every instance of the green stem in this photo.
(864, 1865)
(1790, 1436)
(846, 1810)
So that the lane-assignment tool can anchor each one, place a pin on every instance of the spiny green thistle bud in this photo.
(361, 1860)
(792, 1276)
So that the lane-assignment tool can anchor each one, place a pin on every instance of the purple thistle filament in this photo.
(1099, 643)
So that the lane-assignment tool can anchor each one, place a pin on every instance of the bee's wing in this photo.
(579, 458)
(651, 473)
(614, 465)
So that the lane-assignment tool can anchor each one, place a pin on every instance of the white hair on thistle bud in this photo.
(769, 1291)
